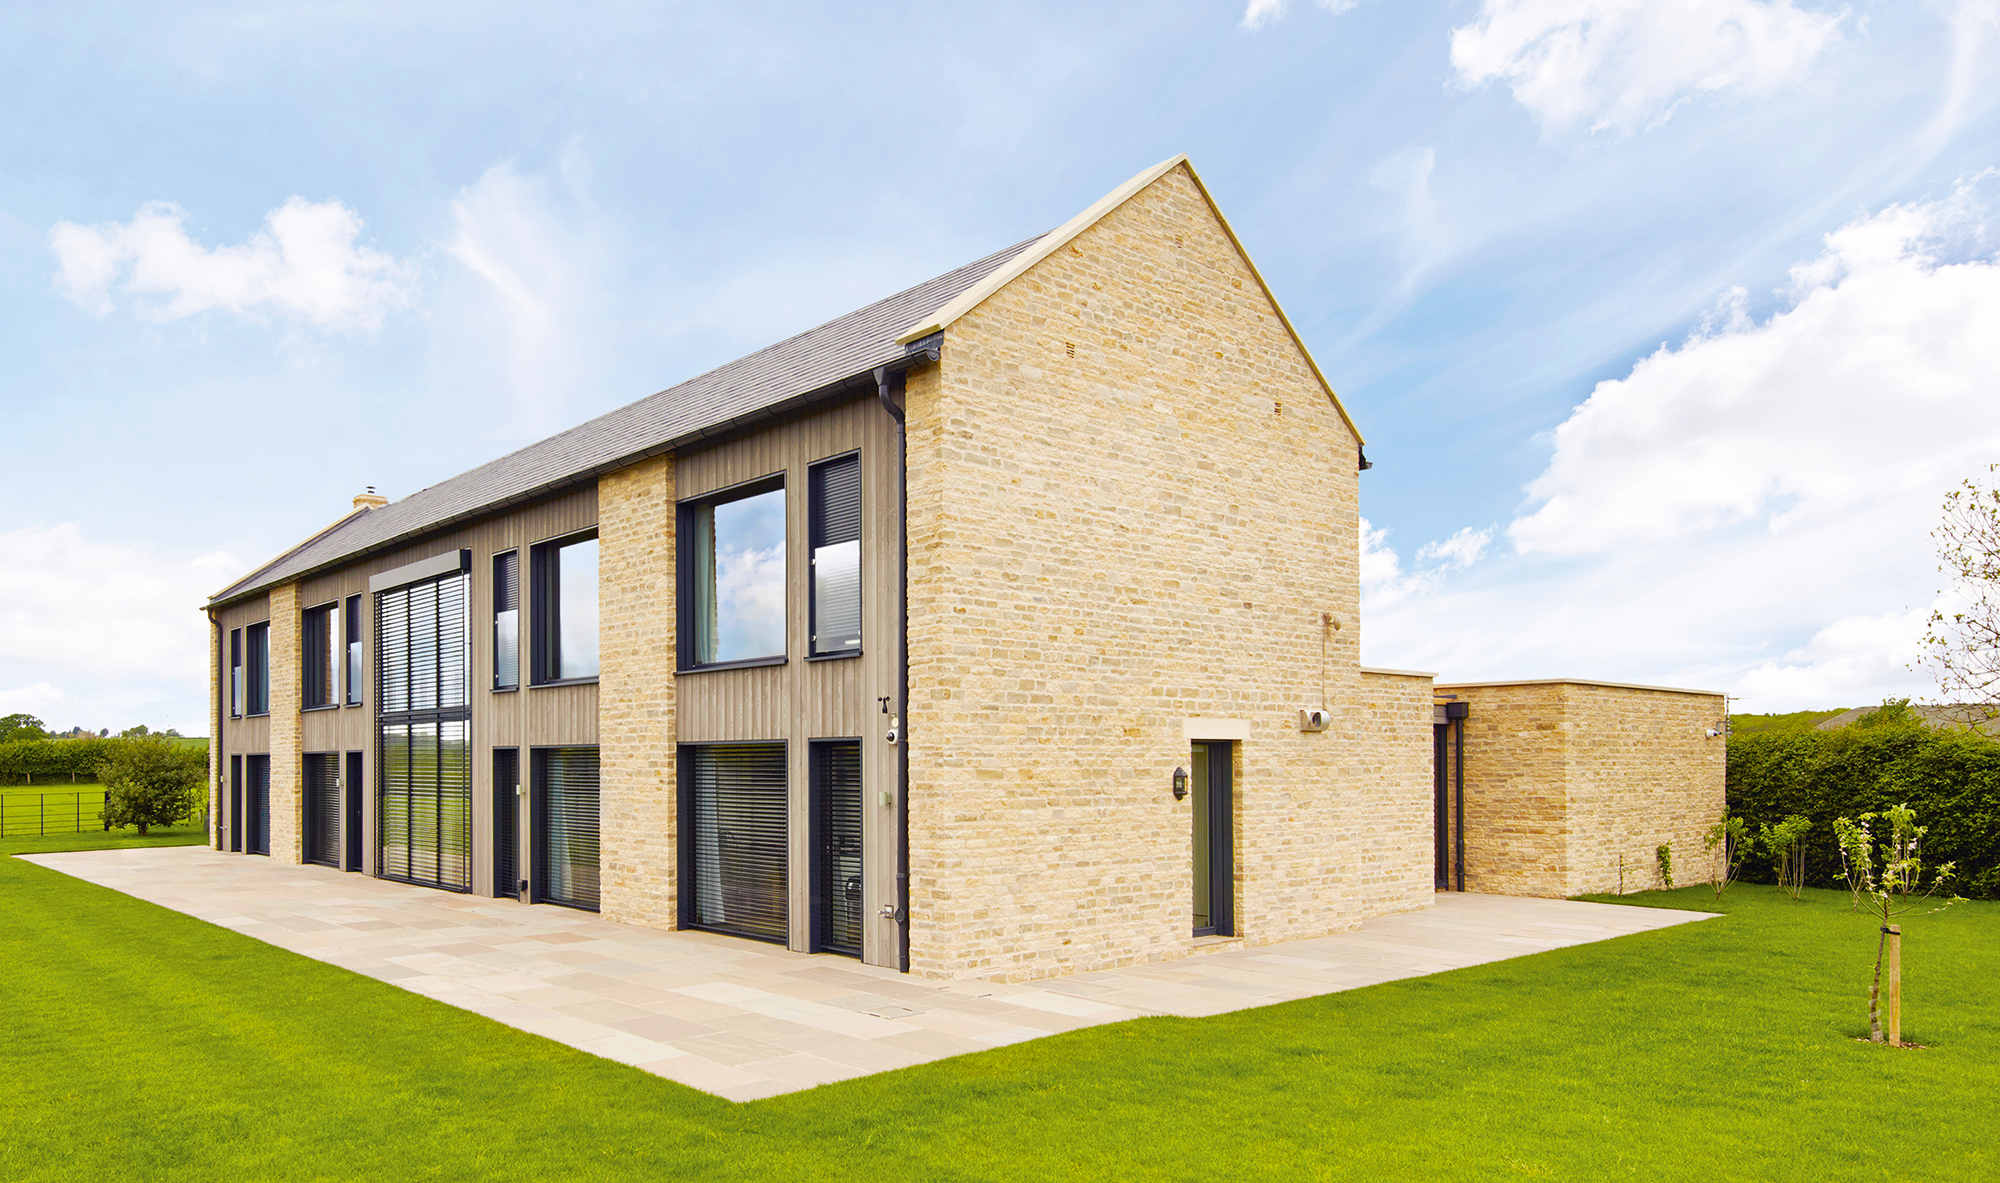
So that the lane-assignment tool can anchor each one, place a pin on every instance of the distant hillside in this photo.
(1796, 721)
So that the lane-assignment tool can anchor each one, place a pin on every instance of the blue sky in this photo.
(253, 258)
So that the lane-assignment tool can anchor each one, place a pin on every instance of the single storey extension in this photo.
(1006, 627)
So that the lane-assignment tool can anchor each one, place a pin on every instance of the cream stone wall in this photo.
(635, 711)
(1132, 503)
(1565, 778)
(287, 692)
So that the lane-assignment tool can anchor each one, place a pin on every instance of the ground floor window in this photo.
(734, 829)
(426, 804)
(565, 789)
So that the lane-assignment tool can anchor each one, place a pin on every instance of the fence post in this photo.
(42, 800)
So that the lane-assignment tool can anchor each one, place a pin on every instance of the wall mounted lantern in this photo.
(1180, 784)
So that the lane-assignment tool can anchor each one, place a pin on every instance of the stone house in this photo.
(1004, 627)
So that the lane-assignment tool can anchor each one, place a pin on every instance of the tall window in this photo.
(507, 620)
(733, 582)
(355, 677)
(421, 654)
(566, 829)
(236, 673)
(565, 607)
(257, 692)
(836, 556)
(734, 844)
(319, 656)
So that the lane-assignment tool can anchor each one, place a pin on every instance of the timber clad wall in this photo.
(637, 637)
(1132, 500)
(246, 736)
(1562, 779)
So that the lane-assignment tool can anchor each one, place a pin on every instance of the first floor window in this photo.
(235, 673)
(565, 607)
(355, 675)
(733, 581)
(257, 665)
(320, 656)
(507, 620)
(836, 556)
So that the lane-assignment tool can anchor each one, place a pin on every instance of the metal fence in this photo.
(28, 814)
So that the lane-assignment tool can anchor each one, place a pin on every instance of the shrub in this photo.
(1950, 777)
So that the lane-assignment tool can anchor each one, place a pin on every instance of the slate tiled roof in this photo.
(817, 360)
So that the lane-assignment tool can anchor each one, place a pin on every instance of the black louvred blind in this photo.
(836, 555)
(317, 658)
(257, 805)
(566, 793)
(837, 802)
(507, 620)
(321, 774)
(506, 822)
(426, 820)
(737, 880)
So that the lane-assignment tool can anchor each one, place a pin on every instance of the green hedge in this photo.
(1951, 778)
(55, 761)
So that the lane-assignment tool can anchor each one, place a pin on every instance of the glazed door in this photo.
(1214, 848)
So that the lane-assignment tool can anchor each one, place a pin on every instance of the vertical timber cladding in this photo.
(425, 717)
(241, 734)
(804, 699)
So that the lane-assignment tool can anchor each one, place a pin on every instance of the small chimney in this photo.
(370, 500)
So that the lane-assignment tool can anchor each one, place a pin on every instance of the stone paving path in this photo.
(745, 1020)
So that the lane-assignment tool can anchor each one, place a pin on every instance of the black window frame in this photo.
(545, 610)
(684, 565)
(353, 652)
(319, 663)
(817, 529)
(257, 669)
(236, 673)
(507, 591)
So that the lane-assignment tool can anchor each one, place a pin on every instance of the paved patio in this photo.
(745, 1020)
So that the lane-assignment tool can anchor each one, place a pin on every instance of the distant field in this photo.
(53, 786)
(1796, 721)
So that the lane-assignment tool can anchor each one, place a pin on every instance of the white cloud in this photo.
(1258, 13)
(1751, 510)
(1461, 550)
(104, 633)
(1623, 64)
(307, 263)
(1384, 583)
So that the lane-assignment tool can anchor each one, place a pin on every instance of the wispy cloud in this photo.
(307, 263)
(1258, 13)
(1619, 65)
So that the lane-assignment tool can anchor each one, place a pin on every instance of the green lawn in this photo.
(95, 839)
(27, 809)
(140, 1044)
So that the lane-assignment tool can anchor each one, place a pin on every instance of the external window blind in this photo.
(506, 822)
(257, 806)
(836, 784)
(736, 879)
(566, 797)
(425, 777)
(235, 673)
(319, 657)
(427, 804)
(321, 774)
(836, 555)
(258, 639)
(355, 676)
(507, 620)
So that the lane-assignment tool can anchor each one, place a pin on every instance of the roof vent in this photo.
(370, 500)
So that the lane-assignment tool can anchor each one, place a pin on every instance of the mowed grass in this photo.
(187, 834)
(138, 1043)
(61, 812)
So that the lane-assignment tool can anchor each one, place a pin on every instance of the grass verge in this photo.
(142, 1044)
(95, 839)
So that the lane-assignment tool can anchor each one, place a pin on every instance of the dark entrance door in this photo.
(236, 804)
(257, 806)
(507, 822)
(322, 808)
(836, 793)
(1214, 845)
(351, 825)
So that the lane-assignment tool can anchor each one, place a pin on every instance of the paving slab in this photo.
(746, 1020)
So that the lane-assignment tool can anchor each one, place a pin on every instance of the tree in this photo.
(21, 726)
(139, 732)
(1887, 869)
(1963, 647)
(151, 782)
